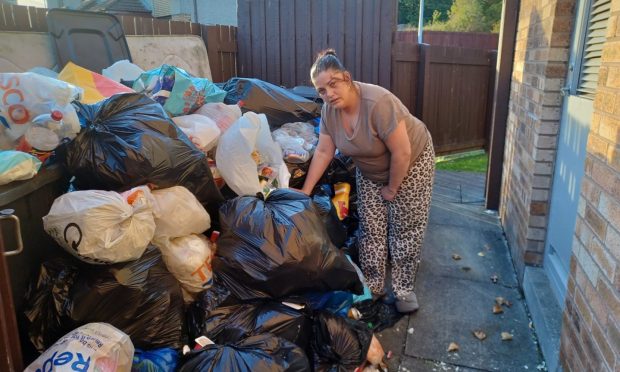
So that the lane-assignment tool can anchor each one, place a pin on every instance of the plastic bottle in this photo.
(341, 199)
(46, 131)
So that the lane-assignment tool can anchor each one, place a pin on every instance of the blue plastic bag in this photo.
(17, 166)
(157, 360)
(335, 302)
(178, 91)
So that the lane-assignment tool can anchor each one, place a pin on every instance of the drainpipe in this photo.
(421, 22)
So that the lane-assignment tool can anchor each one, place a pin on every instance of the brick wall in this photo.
(591, 322)
(539, 71)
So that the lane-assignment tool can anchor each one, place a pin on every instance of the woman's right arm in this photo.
(323, 155)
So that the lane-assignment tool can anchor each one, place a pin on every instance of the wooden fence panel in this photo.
(195, 29)
(129, 25)
(405, 72)
(350, 37)
(455, 95)
(272, 35)
(287, 45)
(221, 41)
(335, 26)
(39, 19)
(303, 44)
(360, 31)
(259, 44)
(387, 14)
(222, 49)
(473, 40)
(22, 18)
(244, 67)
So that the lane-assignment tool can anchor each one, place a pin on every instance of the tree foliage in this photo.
(454, 15)
(409, 11)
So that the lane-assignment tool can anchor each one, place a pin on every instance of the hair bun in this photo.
(327, 52)
(326, 60)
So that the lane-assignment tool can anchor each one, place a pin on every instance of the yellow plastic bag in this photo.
(96, 87)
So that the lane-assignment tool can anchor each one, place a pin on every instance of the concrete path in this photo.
(465, 267)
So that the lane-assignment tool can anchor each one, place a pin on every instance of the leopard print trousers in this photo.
(397, 226)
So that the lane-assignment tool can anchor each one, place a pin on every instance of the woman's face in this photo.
(333, 87)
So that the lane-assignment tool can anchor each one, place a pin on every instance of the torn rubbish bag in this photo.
(339, 344)
(260, 353)
(278, 246)
(232, 323)
(128, 140)
(280, 105)
(141, 298)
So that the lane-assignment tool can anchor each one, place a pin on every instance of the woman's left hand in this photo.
(387, 193)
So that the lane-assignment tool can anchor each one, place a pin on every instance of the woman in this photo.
(395, 161)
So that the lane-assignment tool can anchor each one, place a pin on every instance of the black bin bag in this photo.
(128, 140)
(339, 344)
(342, 169)
(141, 298)
(336, 230)
(378, 315)
(279, 246)
(228, 324)
(260, 353)
(278, 104)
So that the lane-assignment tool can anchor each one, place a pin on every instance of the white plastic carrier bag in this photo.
(246, 151)
(189, 258)
(202, 131)
(178, 213)
(102, 226)
(92, 347)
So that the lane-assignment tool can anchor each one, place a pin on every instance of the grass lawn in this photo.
(474, 163)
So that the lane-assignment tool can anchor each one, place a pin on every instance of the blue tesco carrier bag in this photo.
(158, 360)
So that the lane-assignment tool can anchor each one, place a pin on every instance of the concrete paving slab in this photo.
(393, 339)
(460, 194)
(459, 187)
(483, 254)
(466, 215)
(423, 365)
(451, 309)
(455, 302)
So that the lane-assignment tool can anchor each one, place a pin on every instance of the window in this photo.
(593, 47)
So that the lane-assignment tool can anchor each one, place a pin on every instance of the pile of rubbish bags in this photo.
(187, 248)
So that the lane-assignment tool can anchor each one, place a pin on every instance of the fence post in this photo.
(510, 15)
(490, 94)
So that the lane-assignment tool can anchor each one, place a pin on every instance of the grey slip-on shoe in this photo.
(407, 303)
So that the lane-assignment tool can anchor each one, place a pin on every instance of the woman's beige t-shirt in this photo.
(380, 112)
